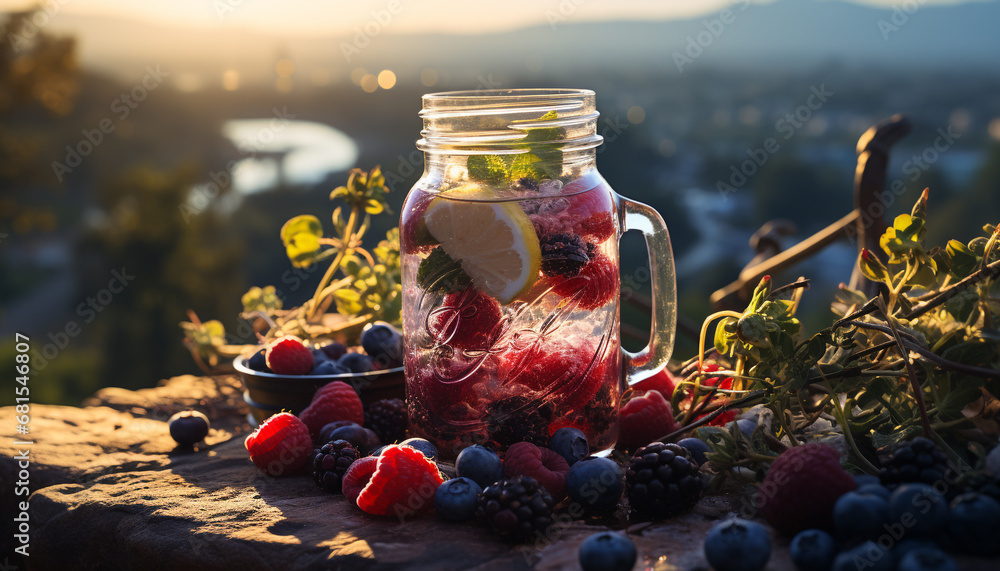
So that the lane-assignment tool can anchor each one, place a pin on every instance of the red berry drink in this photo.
(515, 295)
(510, 274)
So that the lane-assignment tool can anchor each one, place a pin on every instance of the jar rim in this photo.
(512, 94)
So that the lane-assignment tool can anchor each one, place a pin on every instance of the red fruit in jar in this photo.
(595, 286)
(468, 319)
(592, 209)
(280, 446)
(570, 368)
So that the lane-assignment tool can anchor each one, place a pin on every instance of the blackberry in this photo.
(918, 460)
(526, 183)
(388, 419)
(516, 508)
(662, 480)
(564, 254)
(519, 419)
(982, 483)
(331, 463)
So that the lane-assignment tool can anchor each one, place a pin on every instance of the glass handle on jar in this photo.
(654, 356)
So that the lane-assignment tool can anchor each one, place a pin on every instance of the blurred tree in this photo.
(38, 72)
(169, 262)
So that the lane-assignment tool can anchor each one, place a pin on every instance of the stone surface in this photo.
(113, 491)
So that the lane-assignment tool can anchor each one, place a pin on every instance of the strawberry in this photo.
(288, 356)
(280, 446)
(544, 465)
(645, 419)
(801, 487)
(467, 319)
(591, 208)
(662, 381)
(403, 483)
(595, 285)
(333, 401)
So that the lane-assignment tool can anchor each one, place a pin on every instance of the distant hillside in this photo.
(779, 34)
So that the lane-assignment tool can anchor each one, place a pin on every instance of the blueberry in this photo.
(859, 515)
(607, 551)
(875, 489)
(258, 362)
(188, 427)
(813, 550)
(920, 504)
(972, 523)
(746, 425)
(356, 363)
(383, 343)
(595, 483)
(697, 447)
(866, 480)
(328, 368)
(927, 559)
(907, 545)
(362, 438)
(334, 350)
(570, 443)
(738, 545)
(456, 499)
(479, 464)
(425, 447)
(378, 451)
(327, 430)
(868, 556)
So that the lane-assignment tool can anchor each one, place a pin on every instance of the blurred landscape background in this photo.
(150, 153)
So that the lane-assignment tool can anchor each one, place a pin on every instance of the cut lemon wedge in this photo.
(494, 242)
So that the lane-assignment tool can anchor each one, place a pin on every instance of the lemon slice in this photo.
(494, 242)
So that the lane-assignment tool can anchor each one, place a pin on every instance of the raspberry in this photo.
(662, 381)
(517, 508)
(288, 356)
(467, 319)
(280, 446)
(331, 462)
(801, 488)
(645, 419)
(357, 477)
(403, 483)
(592, 209)
(594, 286)
(333, 401)
(542, 464)
(662, 480)
(569, 369)
(388, 419)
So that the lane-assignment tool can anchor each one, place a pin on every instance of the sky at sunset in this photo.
(453, 16)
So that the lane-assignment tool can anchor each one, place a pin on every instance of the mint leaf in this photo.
(490, 169)
(439, 273)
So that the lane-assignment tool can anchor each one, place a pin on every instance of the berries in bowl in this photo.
(286, 373)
